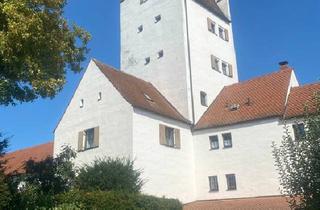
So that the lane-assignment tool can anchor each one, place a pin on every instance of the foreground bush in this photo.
(110, 175)
(99, 200)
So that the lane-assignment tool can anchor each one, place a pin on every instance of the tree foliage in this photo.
(4, 189)
(110, 174)
(298, 162)
(36, 46)
(43, 180)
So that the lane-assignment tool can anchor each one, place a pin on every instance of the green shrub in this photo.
(110, 175)
(99, 200)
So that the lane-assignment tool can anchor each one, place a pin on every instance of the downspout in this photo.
(189, 61)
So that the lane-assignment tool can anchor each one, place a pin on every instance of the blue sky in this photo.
(265, 32)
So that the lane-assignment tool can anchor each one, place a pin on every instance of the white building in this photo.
(177, 58)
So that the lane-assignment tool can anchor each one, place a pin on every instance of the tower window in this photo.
(203, 98)
(225, 68)
(223, 33)
(140, 28)
(211, 26)
(215, 63)
(160, 54)
(157, 18)
(147, 61)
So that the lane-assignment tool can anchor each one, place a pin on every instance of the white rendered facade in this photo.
(182, 34)
(180, 75)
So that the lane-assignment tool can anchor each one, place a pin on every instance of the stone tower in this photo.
(184, 47)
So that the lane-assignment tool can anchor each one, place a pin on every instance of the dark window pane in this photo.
(299, 131)
(170, 137)
(231, 182)
(89, 138)
(227, 140)
(213, 183)
(214, 142)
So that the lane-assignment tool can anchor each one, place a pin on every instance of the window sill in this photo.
(213, 191)
(212, 149)
(227, 147)
(171, 147)
(92, 148)
(232, 190)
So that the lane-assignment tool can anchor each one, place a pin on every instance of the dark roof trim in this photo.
(213, 7)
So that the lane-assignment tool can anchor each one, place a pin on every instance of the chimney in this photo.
(284, 65)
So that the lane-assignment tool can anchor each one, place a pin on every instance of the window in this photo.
(160, 54)
(99, 96)
(299, 131)
(143, 1)
(215, 62)
(203, 98)
(147, 61)
(170, 137)
(225, 68)
(140, 28)
(88, 139)
(223, 33)
(214, 142)
(231, 182)
(157, 18)
(81, 103)
(211, 26)
(213, 183)
(227, 140)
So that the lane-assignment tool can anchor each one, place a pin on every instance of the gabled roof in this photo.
(259, 203)
(16, 160)
(139, 93)
(300, 98)
(259, 98)
(213, 7)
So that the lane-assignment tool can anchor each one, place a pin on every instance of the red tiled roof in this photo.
(262, 203)
(139, 93)
(259, 98)
(299, 98)
(16, 160)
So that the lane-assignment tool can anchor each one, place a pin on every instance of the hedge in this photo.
(99, 200)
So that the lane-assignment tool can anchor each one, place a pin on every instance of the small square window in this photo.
(211, 26)
(213, 184)
(231, 181)
(160, 54)
(215, 63)
(147, 61)
(203, 98)
(81, 103)
(214, 142)
(227, 140)
(157, 18)
(299, 131)
(169, 133)
(140, 28)
(99, 96)
(143, 1)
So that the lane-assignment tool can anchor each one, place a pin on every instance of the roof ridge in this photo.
(259, 77)
(119, 70)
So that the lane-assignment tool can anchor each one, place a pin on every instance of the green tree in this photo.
(43, 181)
(37, 45)
(4, 190)
(298, 162)
(110, 175)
